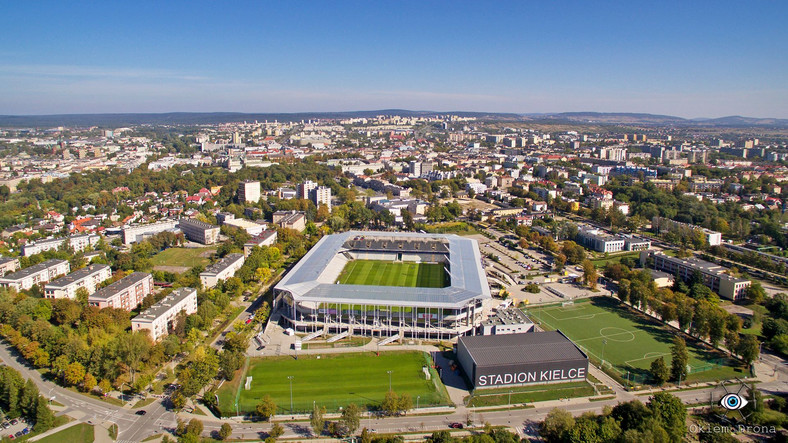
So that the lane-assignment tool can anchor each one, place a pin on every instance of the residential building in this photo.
(133, 234)
(126, 293)
(8, 265)
(199, 231)
(321, 196)
(726, 285)
(32, 275)
(290, 220)
(76, 242)
(661, 224)
(265, 238)
(252, 228)
(160, 318)
(249, 191)
(221, 270)
(89, 278)
(303, 189)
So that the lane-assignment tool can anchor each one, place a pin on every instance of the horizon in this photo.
(675, 59)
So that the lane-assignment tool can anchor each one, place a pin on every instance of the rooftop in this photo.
(75, 276)
(30, 270)
(165, 304)
(120, 285)
(223, 264)
(530, 347)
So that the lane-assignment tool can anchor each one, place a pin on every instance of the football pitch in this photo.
(333, 381)
(609, 331)
(386, 273)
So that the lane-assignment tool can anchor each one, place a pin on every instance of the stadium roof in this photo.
(512, 349)
(309, 281)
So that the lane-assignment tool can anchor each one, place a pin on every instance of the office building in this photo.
(726, 285)
(137, 233)
(248, 192)
(159, 319)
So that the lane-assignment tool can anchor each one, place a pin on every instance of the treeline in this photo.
(775, 326)
(692, 305)
(20, 398)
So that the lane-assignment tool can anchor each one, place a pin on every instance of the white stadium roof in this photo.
(310, 281)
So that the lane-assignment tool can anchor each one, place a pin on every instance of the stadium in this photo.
(386, 284)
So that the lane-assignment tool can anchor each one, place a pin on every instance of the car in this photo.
(6, 425)
(11, 436)
(456, 425)
(25, 431)
(248, 320)
(18, 434)
(141, 412)
(14, 421)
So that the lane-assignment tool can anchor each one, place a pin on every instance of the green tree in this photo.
(74, 373)
(390, 403)
(276, 431)
(590, 274)
(755, 293)
(45, 419)
(178, 400)
(266, 408)
(225, 431)
(671, 413)
(82, 295)
(195, 427)
(659, 371)
(557, 423)
(351, 418)
(317, 420)
(748, 348)
(680, 358)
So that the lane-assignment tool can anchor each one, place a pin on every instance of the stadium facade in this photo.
(310, 299)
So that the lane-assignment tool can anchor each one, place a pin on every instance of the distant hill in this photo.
(196, 118)
(658, 120)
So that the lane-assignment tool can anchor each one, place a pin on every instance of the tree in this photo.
(755, 293)
(556, 424)
(195, 427)
(89, 382)
(317, 420)
(659, 371)
(351, 418)
(45, 419)
(559, 262)
(266, 408)
(671, 413)
(276, 431)
(590, 274)
(82, 295)
(390, 403)
(74, 373)
(405, 403)
(178, 400)
(225, 431)
(105, 385)
(748, 349)
(680, 358)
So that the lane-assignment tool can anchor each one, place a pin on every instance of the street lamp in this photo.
(389, 372)
(604, 344)
(418, 397)
(290, 377)
(510, 397)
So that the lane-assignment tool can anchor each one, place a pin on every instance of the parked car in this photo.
(456, 425)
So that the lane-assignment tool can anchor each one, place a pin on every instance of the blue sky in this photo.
(689, 58)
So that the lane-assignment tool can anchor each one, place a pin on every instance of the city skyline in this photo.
(678, 59)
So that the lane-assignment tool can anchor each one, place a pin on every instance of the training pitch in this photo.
(607, 330)
(385, 273)
(333, 381)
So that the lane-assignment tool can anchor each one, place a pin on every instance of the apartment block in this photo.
(727, 286)
(266, 238)
(8, 265)
(199, 231)
(134, 234)
(36, 274)
(661, 224)
(321, 196)
(221, 270)
(159, 318)
(89, 278)
(249, 191)
(290, 220)
(126, 293)
(76, 242)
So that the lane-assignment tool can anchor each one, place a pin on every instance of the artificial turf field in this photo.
(386, 273)
(633, 341)
(334, 380)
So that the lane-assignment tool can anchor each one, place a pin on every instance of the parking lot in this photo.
(13, 429)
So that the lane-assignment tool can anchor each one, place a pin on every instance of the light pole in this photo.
(418, 397)
(389, 372)
(290, 377)
(510, 397)
(604, 345)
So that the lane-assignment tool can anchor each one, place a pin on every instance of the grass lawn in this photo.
(607, 330)
(82, 433)
(144, 402)
(530, 394)
(334, 380)
(384, 273)
(184, 257)
(614, 258)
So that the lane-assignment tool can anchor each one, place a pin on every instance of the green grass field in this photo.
(332, 381)
(184, 257)
(384, 273)
(82, 433)
(609, 331)
(529, 394)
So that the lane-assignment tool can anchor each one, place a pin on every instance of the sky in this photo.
(689, 59)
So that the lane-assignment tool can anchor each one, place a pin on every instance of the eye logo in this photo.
(733, 402)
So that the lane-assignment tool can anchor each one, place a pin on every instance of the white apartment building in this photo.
(8, 265)
(199, 231)
(158, 318)
(133, 234)
(304, 189)
(322, 196)
(221, 270)
(249, 191)
(89, 278)
(126, 293)
(76, 242)
(36, 274)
